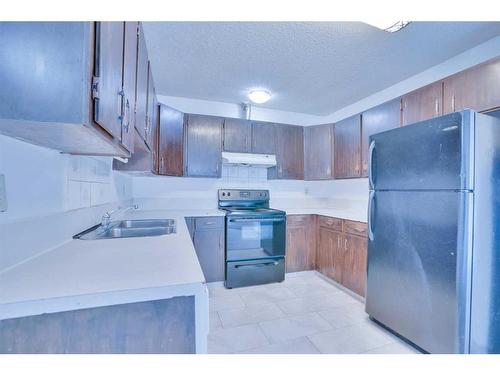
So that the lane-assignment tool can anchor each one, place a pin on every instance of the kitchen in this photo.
(170, 214)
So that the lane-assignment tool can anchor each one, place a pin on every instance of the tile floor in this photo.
(303, 314)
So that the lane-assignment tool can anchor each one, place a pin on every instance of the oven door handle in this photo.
(257, 265)
(259, 219)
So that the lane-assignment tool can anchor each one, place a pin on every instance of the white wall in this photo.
(206, 107)
(41, 181)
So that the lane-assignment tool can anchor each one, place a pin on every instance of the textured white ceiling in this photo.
(310, 67)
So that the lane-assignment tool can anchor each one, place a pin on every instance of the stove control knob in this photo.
(223, 194)
(228, 194)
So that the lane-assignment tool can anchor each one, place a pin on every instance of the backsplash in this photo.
(243, 177)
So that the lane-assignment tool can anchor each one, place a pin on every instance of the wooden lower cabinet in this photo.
(208, 239)
(342, 256)
(300, 243)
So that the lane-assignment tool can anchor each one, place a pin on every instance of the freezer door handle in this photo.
(370, 214)
(370, 163)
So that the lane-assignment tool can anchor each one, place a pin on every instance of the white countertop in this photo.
(81, 269)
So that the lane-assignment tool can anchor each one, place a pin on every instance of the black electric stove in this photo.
(255, 238)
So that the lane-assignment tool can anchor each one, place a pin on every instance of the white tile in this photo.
(231, 301)
(300, 345)
(263, 294)
(312, 289)
(215, 323)
(310, 304)
(243, 172)
(85, 194)
(394, 348)
(73, 194)
(73, 167)
(341, 316)
(294, 326)
(236, 339)
(250, 314)
(349, 340)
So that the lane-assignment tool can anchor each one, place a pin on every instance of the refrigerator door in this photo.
(429, 155)
(418, 262)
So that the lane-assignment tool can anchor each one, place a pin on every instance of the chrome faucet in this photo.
(106, 218)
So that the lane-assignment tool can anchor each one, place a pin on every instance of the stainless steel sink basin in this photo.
(129, 228)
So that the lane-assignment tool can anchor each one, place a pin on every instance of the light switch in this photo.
(3, 194)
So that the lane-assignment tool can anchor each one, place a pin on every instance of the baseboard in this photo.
(338, 286)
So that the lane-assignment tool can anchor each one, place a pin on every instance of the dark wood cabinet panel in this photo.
(237, 135)
(141, 85)
(375, 120)
(347, 148)
(423, 104)
(318, 153)
(151, 327)
(108, 70)
(356, 227)
(477, 88)
(263, 138)
(354, 275)
(129, 80)
(208, 242)
(300, 243)
(171, 141)
(289, 152)
(203, 146)
(150, 109)
(330, 254)
(330, 223)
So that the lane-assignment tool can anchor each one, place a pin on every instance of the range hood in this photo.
(254, 160)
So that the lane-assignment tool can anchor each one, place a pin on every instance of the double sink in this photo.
(129, 228)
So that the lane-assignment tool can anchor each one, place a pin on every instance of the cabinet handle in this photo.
(453, 103)
(345, 244)
(437, 107)
(161, 163)
(338, 242)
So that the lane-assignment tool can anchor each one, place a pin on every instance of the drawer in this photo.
(330, 222)
(356, 227)
(254, 272)
(209, 222)
(293, 220)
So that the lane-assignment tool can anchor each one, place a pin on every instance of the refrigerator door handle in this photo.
(370, 163)
(370, 211)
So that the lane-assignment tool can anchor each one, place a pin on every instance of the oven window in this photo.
(255, 238)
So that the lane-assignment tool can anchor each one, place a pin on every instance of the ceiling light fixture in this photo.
(259, 96)
(390, 27)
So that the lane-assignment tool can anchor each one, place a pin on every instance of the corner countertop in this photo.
(91, 273)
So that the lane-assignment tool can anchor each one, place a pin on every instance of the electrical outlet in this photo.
(3, 194)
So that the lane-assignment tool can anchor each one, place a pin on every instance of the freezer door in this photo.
(433, 154)
(418, 262)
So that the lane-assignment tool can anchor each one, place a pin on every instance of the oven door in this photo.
(255, 237)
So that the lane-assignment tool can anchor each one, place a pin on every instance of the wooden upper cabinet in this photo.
(150, 109)
(203, 146)
(318, 153)
(263, 138)
(476, 88)
(375, 120)
(108, 73)
(423, 104)
(347, 148)
(129, 80)
(237, 135)
(171, 140)
(141, 85)
(290, 152)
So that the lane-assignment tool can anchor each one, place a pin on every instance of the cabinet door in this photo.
(318, 153)
(171, 141)
(141, 85)
(263, 138)
(108, 70)
(204, 143)
(209, 246)
(155, 131)
(290, 151)
(300, 243)
(237, 135)
(354, 275)
(129, 80)
(423, 104)
(347, 148)
(477, 88)
(150, 109)
(330, 254)
(378, 119)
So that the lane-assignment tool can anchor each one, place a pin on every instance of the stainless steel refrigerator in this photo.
(434, 233)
